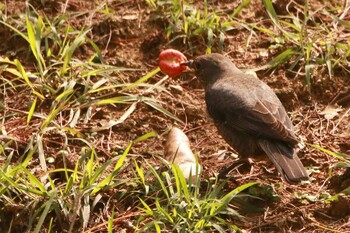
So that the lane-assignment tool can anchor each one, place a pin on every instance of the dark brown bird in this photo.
(248, 114)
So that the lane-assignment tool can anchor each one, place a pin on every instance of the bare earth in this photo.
(133, 37)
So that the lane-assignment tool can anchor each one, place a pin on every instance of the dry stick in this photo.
(335, 127)
(140, 15)
(155, 85)
(346, 9)
(65, 7)
(109, 39)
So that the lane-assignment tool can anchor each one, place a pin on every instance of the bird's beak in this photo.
(189, 65)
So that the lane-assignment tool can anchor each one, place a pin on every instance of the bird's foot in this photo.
(236, 165)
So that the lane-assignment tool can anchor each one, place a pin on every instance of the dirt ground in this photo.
(133, 37)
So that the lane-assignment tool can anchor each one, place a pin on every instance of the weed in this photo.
(62, 91)
(303, 41)
(179, 206)
(313, 43)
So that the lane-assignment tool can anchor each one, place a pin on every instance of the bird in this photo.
(248, 114)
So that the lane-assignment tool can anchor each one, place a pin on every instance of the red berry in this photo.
(170, 62)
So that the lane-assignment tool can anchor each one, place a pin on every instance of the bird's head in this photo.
(209, 68)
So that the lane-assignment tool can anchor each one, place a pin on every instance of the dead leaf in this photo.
(331, 111)
(130, 17)
(178, 151)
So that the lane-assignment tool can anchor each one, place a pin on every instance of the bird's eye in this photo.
(197, 66)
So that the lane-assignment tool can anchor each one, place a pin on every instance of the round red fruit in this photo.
(170, 62)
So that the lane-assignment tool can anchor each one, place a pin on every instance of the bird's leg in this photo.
(236, 164)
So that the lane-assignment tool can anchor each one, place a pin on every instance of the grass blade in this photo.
(142, 79)
(69, 50)
(44, 213)
(283, 57)
(118, 100)
(118, 165)
(228, 197)
(240, 7)
(34, 39)
(31, 111)
(161, 109)
(271, 11)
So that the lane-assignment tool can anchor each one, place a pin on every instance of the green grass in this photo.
(51, 92)
(192, 25)
(69, 88)
(61, 90)
(179, 206)
(315, 40)
(304, 43)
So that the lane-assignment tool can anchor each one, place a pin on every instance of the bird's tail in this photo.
(285, 160)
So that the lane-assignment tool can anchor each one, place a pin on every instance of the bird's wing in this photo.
(261, 115)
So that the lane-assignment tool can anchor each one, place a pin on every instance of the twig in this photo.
(336, 126)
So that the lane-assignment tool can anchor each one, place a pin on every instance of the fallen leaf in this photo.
(331, 111)
(177, 150)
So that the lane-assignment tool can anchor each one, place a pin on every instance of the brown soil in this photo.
(132, 37)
